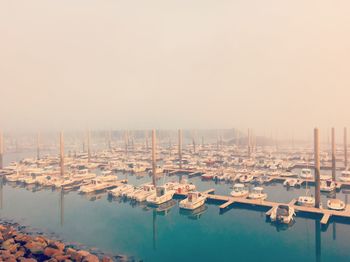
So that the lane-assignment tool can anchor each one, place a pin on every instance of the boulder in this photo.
(35, 248)
(57, 245)
(91, 258)
(23, 239)
(50, 252)
(62, 258)
(107, 259)
(23, 259)
(8, 243)
(19, 253)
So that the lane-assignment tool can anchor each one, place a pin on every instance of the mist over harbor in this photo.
(275, 67)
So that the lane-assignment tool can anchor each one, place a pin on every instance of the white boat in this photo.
(345, 176)
(162, 195)
(336, 204)
(194, 200)
(257, 193)
(306, 173)
(325, 177)
(147, 191)
(246, 178)
(239, 190)
(282, 214)
(99, 183)
(117, 192)
(290, 182)
(327, 186)
(287, 174)
(308, 201)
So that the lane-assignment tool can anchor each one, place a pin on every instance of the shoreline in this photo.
(21, 243)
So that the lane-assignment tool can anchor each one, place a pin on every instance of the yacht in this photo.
(117, 192)
(246, 178)
(163, 194)
(282, 214)
(336, 204)
(290, 182)
(307, 201)
(287, 174)
(194, 200)
(257, 193)
(325, 177)
(345, 176)
(327, 186)
(306, 173)
(147, 190)
(239, 190)
(99, 183)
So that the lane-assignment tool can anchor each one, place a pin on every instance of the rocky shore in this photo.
(17, 245)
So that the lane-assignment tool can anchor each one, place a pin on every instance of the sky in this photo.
(273, 65)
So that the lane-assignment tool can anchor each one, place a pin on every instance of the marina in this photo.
(149, 185)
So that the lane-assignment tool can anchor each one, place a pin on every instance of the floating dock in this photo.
(227, 201)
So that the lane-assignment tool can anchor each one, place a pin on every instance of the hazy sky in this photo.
(271, 65)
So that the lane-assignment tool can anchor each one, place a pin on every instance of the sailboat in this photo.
(306, 200)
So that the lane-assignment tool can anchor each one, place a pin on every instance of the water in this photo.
(140, 231)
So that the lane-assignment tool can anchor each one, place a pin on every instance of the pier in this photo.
(228, 201)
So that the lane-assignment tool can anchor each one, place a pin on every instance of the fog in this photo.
(275, 66)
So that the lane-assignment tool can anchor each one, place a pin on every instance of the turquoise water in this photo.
(140, 231)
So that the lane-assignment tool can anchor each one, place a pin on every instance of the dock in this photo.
(227, 201)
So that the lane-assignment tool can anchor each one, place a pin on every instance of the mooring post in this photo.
(317, 167)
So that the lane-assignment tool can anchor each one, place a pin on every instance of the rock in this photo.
(5, 254)
(41, 239)
(107, 259)
(2, 228)
(77, 256)
(23, 239)
(23, 259)
(35, 248)
(8, 243)
(51, 260)
(50, 252)
(1, 238)
(57, 245)
(20, 253)
(83, 253)
(61, 258)
(91, 258)
(70, 251)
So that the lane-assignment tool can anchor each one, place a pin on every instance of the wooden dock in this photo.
(227, 201)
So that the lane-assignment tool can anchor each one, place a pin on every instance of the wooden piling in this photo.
(154, 167)
(317, 168)
(1, 150)
(62, 153)
(333, 156)
(345, 148)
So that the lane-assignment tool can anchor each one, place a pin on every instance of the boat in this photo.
(306, 173)
(163, 194)
(257, 193)
(246, 178)
(335, 204)
(282, 214)
(117, 192)
(99, 183)
(327, 186)
(290, 182)
(239, 190)
(194, 200)
(307, 201)
(325, 177)
(287, 174)
(147, 190)
(207, 176)
(345, 176)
